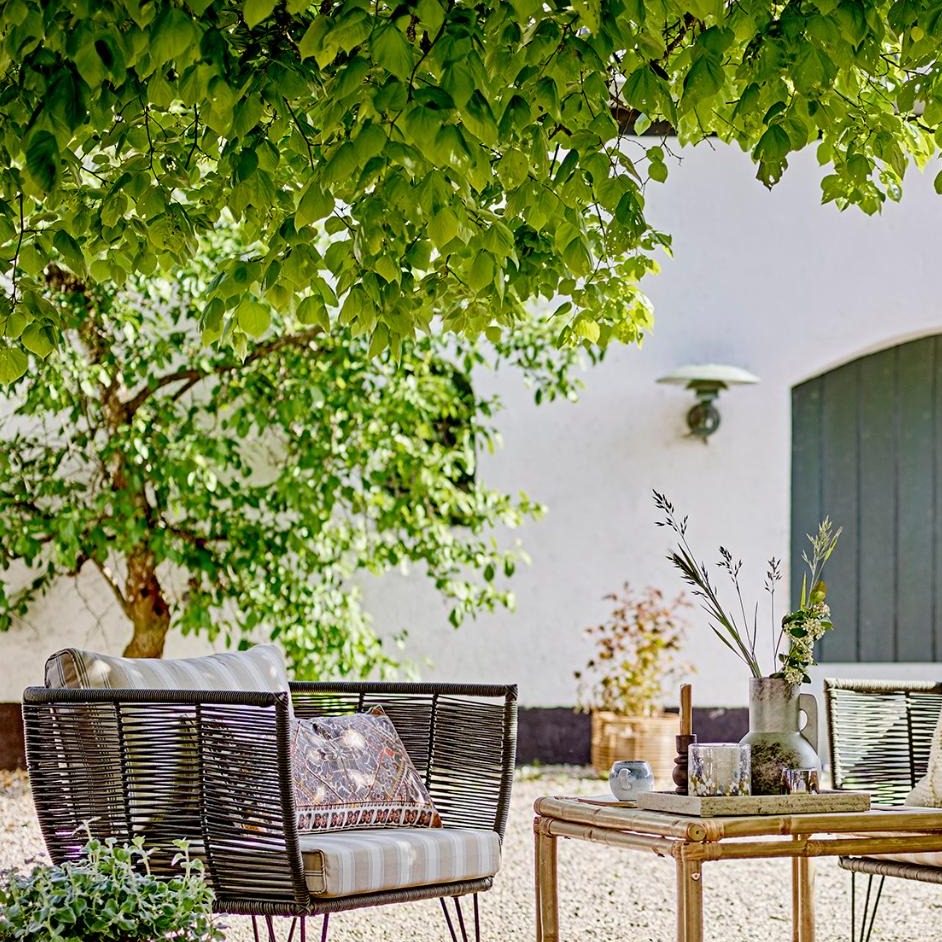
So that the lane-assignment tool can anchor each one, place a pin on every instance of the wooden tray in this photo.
(719, 806)
(607, 800)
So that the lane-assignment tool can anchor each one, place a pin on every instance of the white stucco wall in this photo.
(769, 281)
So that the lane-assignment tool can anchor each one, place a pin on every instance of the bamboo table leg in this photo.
(804, 877)
(547, 904)
(689, 901)
(796, 902)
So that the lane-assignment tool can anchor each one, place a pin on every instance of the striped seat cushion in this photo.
(350, 862)
(259, 669)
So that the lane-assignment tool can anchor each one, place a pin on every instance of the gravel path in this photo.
(605, 893)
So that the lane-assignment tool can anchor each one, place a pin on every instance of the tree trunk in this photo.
(146, 607)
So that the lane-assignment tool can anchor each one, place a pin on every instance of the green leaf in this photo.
(38, 339)
(379, 341)
(937, 183)
(774, 145)
(391, 51)
(313, 43)
(314, 204)
(312, 311)
(254, 11)
(481, 273)
(173, 34)
(443, 227)
(13, 364)
(253, 317)
(42, 159)
(704, 79)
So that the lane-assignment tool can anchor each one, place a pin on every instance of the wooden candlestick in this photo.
(684, 740)
(686, 710)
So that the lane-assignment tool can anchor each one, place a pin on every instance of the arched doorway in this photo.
(867, 451)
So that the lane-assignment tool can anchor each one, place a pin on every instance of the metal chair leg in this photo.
(295, 922)
(451, 928)
(866, 926)
(460, 916)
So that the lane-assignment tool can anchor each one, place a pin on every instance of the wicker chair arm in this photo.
(211, 768)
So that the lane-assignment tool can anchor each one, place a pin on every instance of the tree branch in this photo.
(190, 377)
(112, 584)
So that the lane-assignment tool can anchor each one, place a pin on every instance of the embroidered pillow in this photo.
(353, 771)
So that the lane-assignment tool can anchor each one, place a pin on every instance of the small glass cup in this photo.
(629, 778)
(719, 768)
(800, 781)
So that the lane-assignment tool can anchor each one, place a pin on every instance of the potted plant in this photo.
(623, 684)
(109, 895)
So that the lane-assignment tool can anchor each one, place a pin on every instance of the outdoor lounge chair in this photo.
(880, 735)
(214, 767)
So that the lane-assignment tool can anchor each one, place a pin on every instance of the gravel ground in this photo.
(605, 893)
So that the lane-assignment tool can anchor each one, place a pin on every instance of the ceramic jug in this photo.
(777, 738)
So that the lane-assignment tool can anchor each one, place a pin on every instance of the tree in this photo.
(242, 495)
(463, 159)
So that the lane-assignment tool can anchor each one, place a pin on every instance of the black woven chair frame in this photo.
(214, 769)
(880, 733)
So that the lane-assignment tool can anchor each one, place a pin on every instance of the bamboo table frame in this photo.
(692, 841)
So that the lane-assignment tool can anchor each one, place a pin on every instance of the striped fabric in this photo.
(928, 859)
(261, 668)
(350, 862)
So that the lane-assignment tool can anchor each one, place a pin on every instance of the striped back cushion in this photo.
(163, 785)
(261, 668)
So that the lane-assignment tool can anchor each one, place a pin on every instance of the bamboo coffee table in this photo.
(693, 840)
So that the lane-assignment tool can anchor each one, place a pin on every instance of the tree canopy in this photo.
(249, 496)
(395, 164)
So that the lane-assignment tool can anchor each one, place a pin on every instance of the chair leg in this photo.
(866, 926)
(461, 926)
(296, 921)
(451, 928)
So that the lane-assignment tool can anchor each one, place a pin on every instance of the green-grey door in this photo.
(867, 451)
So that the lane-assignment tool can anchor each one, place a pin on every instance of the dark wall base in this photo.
(12, 747)
(546, 735)
(560, 736)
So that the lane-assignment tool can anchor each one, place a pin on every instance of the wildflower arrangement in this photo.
(794, 638)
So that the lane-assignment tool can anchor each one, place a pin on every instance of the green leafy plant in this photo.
(636, 651)
(739, 631)
(235, 496)
(393, 165)
(109, 895)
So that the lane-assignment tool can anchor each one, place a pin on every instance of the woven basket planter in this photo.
(615, 736)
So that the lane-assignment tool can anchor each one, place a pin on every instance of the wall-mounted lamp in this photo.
(706, 380)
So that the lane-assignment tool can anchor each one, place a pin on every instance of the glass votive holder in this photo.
(719, 768)
(629, 778)
(800, 781)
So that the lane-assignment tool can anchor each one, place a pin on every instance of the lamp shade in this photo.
(708, 374)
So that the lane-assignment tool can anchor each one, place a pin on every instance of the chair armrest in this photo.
(212, 768)
(460, 737)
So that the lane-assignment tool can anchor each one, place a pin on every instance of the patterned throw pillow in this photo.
(353, 771)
